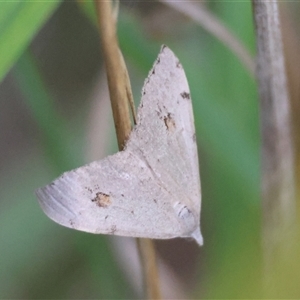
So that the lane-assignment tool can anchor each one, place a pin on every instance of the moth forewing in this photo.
(152, 188)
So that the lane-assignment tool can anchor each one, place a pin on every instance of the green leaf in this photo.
(19, 22)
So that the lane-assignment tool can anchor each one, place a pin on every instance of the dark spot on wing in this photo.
(185, 95)
(184, 212)
(169, 122)
(194, 138)
(89, 189)
(178, 65)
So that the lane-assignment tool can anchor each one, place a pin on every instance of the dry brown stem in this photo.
(120, 96)
(278, 189)
(116, 76)
(148, 260)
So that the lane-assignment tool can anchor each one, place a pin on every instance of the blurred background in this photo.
(55, 115)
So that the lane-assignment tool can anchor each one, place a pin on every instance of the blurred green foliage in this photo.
(40, 259)
(19, 22)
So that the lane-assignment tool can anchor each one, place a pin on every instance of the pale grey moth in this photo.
(151, 189)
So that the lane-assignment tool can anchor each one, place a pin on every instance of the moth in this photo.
(151, 189)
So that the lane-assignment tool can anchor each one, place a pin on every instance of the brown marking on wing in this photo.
(102, 200)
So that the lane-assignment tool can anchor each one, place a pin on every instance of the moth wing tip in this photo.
(197, 236)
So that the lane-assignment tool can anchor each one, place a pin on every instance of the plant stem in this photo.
(120, 92)
(114, 71)
(278, 183)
